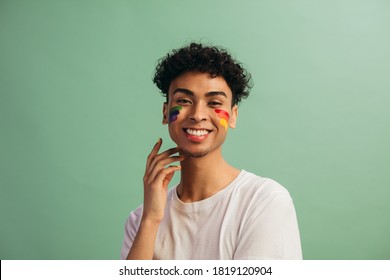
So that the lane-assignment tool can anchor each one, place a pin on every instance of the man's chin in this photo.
(197, 154)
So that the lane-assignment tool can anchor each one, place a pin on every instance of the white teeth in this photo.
(197, 132)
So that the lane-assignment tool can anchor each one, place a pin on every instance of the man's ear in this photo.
(233, 117)
(165, 113)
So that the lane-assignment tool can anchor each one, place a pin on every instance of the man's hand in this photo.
(156, 179)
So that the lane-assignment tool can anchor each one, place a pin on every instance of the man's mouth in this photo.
(197, 132)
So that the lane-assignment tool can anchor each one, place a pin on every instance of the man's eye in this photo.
(213, 103)
(183, 101)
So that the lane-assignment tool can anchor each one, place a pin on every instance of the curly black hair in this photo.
(205, 59)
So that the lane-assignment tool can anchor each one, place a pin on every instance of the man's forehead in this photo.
(200, 84)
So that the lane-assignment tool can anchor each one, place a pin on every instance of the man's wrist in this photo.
(150, 223)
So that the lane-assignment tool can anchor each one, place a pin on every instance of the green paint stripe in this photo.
(176, 108)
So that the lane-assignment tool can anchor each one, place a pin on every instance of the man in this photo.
(216, 211)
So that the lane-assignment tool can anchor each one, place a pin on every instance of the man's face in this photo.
(199, 113)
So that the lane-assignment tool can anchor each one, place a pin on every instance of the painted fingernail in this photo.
(158, 141)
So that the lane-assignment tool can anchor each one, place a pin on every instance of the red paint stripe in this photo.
(222, 114)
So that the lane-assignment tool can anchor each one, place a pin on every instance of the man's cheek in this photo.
(173, 113)
(223, 116)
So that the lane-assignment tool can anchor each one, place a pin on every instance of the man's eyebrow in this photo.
(215, 93)
(208, 94)
(183, 90)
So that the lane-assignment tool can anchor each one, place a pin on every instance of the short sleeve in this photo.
(131, 228)
(270, 229)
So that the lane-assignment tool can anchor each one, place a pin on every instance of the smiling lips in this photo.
(196, 135)
(197, 132)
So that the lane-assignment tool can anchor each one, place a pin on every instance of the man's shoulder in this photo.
(250, 182)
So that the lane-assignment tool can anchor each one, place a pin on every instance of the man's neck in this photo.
(202, 177)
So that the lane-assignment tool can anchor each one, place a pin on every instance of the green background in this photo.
(79, 114)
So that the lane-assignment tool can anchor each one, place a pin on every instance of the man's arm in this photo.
(143, 245)
(156, 180)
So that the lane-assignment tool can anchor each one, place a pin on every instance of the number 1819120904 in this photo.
(245, 270)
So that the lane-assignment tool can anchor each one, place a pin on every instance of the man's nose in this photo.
(198, 113)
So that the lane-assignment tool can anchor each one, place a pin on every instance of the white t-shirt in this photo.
(251, 218)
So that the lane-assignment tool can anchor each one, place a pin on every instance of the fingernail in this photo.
(158, 141)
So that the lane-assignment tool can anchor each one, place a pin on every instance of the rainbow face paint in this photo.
(173, 112)
(224, 116)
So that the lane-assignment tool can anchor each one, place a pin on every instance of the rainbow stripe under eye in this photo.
(224, 116)
(173, 112)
